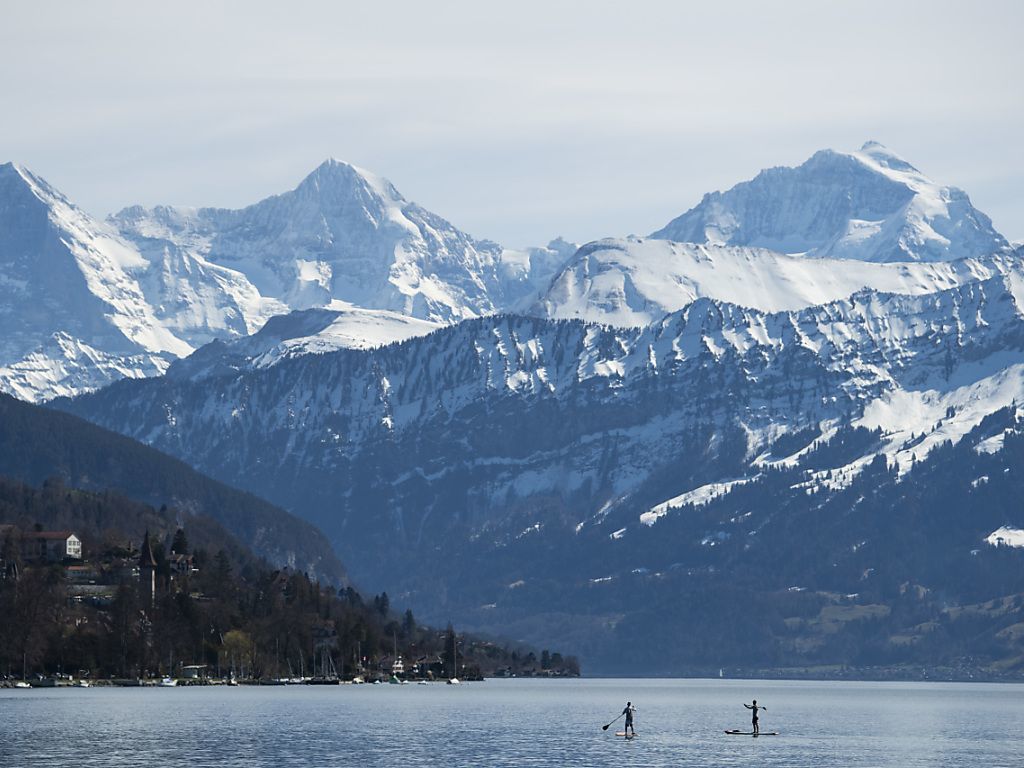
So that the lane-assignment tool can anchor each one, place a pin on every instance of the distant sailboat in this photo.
(454, 679)
(397, 666)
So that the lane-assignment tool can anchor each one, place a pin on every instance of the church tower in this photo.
(147, 570)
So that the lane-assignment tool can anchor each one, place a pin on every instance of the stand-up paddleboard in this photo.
(623, 733)
(736, 732)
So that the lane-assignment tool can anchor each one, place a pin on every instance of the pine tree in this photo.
(180, 543)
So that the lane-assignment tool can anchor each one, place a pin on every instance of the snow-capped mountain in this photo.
(650, 419)
(870, 205)
(86, 302)
(347, 234)
(90, 302)
(83, 306)
(636, 281)
(74, 312)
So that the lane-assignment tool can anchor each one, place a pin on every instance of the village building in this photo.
(50, 546)
(82, 574)
(194, 672)
(181, 565)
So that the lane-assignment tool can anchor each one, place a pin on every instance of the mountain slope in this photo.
(37, 444)
(870, 205)
(451, 467)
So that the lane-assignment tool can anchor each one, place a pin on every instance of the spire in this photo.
(146, 558)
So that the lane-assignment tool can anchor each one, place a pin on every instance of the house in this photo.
(82, 574)
(50, 546)
(429, 666)
(182, 565)
(194, 672)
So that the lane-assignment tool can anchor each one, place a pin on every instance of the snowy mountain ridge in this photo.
(868, 350)
(302, 332)
(636, 281)
(344, 234)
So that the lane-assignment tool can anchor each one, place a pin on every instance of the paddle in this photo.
(606, 727)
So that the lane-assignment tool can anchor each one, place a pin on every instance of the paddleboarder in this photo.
(753, 714)
(628, 712)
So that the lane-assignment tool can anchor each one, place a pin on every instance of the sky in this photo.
(518, 122)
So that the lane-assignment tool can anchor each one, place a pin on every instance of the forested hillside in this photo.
(226, 608)
(37, 444)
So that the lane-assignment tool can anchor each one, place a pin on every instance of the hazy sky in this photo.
(517, 123)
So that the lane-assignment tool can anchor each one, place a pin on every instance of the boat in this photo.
(21, 684)
(398, 665)
(454, 680)
(328, 673)
(168, 682)
(82, 684)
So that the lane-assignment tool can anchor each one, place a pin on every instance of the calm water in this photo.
(516, 723)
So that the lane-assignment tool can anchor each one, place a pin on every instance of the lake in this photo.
(516, 723)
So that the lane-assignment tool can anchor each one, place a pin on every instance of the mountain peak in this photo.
(14, 175)
(341, 176)
(878, 154)
(12, 168)
(879, 151)
(867, 205)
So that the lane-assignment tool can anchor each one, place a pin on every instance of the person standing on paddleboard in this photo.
(753, 715)
(628, 712)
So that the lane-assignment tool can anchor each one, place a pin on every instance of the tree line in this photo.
(229, 610)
